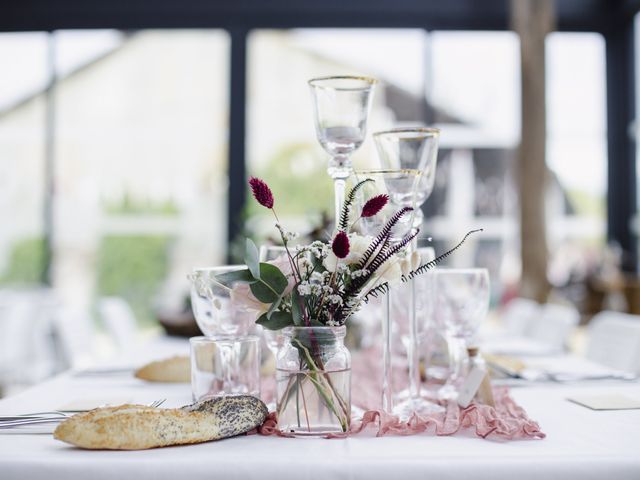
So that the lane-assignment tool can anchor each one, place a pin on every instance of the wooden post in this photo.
(532, 20)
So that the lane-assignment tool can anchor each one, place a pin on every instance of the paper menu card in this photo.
(606, 401)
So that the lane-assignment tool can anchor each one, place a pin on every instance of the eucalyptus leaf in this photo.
(310, 338)
(277, 321)
(230, 278)
(274, 306)
(251, 258)
(271, 285)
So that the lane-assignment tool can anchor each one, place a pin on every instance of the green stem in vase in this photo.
(316, 378)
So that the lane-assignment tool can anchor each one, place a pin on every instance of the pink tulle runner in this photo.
(506, 421)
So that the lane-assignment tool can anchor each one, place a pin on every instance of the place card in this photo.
(471, 385)
(606, 402)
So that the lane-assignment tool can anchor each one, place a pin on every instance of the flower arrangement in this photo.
(321, 285)
(324, 283)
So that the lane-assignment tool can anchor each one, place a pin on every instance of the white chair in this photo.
(75, 334)
(27, 350)
(119, 320)
(518, 315)
(614, 341)
(553, 325)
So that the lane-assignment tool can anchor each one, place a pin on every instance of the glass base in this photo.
(357, 412)
(448, 392)
(419, 406)
(316, 431)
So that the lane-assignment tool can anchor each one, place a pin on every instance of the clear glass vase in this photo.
(313, 375)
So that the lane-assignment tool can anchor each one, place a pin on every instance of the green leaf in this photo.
(271, 285)
(251, 258)
(277, 321)
(230, 278)
(274, 306)
(296, 304)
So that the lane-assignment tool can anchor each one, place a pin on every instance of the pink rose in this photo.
(242, 297)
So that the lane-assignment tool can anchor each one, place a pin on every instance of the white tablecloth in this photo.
(581, 444)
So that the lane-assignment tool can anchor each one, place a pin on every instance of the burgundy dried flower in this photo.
(261, 192)
(340, 245)
(374, 205)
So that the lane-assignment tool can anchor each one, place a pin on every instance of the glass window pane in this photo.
(141, 143)
(23, 63)
(281, 141)
(576, 142)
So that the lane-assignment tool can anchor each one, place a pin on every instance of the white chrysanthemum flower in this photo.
(316, 277)
(335, 299)
(304, 289)
(359, 273)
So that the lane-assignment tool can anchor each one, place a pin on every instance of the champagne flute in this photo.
(341, 106)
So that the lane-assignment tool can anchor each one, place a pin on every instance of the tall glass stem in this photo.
(414, 371)
(412, 353)
(457, 357)
(387, 400)
(339, 188)
(339, 169)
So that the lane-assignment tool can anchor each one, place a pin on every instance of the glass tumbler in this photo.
(225, 365)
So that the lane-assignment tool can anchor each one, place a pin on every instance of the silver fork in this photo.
(49, 417)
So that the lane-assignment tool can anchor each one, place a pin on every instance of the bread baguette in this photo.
(137, 427)
(171, 370)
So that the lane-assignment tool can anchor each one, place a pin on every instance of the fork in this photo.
(49, 417)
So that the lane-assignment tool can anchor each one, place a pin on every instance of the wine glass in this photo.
(462, 302)
(341, 107)
(414, 148)
(273, 339)
(222, 319)
(413, 304)
(216, 314)
(400, 186)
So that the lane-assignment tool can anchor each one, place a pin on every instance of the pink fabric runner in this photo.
(507, 421)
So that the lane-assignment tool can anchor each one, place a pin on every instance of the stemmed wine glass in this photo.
(395, 184)
(341, 107)
(412, 148)
(215, 313)
(412, 306)
(220, 318)
(462, 302)
(272, 338)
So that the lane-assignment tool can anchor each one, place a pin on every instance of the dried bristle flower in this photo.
(261, 192)
(340, 245)
(374, 205)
